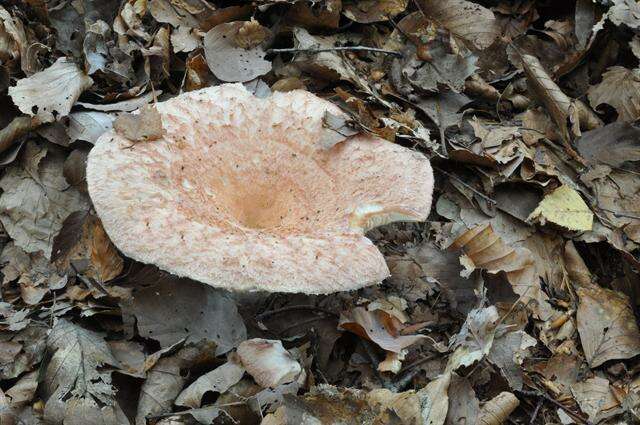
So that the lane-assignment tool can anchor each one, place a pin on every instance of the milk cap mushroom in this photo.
(241, 193)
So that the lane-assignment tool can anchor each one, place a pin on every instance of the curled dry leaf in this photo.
(469, 21)
(368, 11)
(569, 115)
(497, 410)
(607, 326)
(226, 57)
(620, 88)
(218, 380)
(49, 94)
(485, 249)
(564, 207)
(144, 126)
(378, 326)
(326, 404)
(268, 362)
(241, 194)
(83, 243)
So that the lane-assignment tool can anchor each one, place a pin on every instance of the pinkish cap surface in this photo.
(239, 193)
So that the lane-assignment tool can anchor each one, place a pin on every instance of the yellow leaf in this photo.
(564, 207)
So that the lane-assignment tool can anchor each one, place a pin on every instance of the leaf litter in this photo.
(516, 301)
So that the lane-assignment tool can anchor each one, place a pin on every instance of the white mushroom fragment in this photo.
(268, 362)
(240, 193)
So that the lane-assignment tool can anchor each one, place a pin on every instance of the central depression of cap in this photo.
(240, 193)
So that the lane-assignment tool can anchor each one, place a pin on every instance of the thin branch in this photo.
(336, 49)
(471, 188)
(296, 308)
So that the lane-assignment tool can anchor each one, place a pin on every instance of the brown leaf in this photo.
(620, 88)
(607, 326)
(83, 242)
(368, 11)
(485, 249)
(498, 409)
(468, 21)
(378, 326)
(141, 127)
(613, 145)
(595, 398)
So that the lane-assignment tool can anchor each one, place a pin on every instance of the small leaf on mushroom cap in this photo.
(240, 193)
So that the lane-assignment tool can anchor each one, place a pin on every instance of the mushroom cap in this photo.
(241, 193)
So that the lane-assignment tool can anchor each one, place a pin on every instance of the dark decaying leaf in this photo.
(613, 144)
(198, 312)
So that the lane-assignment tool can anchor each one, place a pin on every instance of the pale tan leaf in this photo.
(620, 88)
(146, 125)
(49, 94)
(218, 380)
(377, 326)
(497, 410)
(468, 21)
(228, 60)
(564, 207)
(368, 11)
(607, 326)
(594, 397)
(484, 249)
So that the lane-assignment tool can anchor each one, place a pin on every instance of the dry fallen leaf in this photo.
(228, 60)
(268, 362)
(485, 249)
(49, 94)
(620, 88)
(83, 243)
(141, 127)
(198, 312)
(76, 383)
(564, 207)
(475, 338)
(607, 326)
(379, 327)
(218, 380)
(368, 11)
(36, 200)
(595, 398)
(468, 21)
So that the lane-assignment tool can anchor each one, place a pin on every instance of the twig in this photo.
(296, 308)
(534, 415)
(19, 126)
(471, 188)
(570, 412)
(336, 49)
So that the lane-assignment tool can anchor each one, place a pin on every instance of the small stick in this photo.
(296, 308)
(336, 49)
(471, 188)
